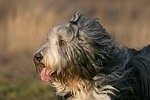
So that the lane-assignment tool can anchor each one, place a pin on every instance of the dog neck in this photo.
(80, 89)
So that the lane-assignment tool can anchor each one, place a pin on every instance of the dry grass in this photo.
(24, 24)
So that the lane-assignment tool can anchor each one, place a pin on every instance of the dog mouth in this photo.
(45, 73)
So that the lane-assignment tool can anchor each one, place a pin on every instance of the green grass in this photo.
(26, 90)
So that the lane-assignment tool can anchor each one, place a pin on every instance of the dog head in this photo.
(78, 48)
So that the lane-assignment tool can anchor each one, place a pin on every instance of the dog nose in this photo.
(38, 56)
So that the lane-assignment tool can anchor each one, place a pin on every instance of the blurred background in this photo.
(25, 23)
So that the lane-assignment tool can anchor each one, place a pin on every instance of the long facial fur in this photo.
(82, 52)
(87, 46)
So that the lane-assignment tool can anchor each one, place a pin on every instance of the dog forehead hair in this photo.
(59, 29)
(63, 31)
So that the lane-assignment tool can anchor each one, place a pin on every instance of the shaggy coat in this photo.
(86, 63)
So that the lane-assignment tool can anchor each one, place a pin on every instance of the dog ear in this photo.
(76, 17)
(75, 23)
(73, 29)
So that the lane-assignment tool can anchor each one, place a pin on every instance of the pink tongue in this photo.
(45, 75)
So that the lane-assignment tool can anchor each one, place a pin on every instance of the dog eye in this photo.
(62, 42)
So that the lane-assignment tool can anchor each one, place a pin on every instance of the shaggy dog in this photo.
(84, 62)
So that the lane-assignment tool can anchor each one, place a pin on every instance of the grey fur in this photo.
(82, 49)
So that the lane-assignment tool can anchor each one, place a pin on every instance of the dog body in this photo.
(85, 63)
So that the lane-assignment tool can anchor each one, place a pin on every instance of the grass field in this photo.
(24, 24)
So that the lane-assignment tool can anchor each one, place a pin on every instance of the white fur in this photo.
(83, 90)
